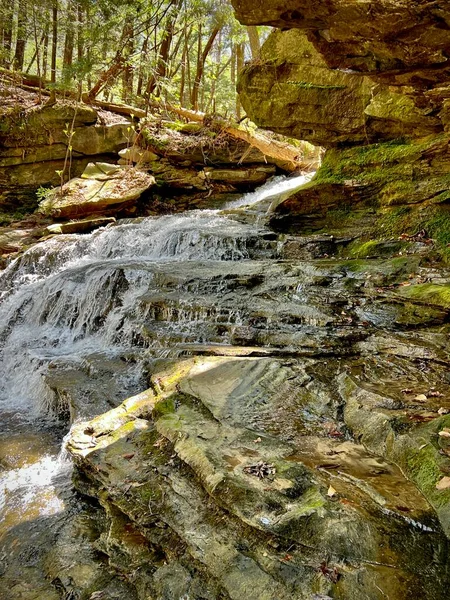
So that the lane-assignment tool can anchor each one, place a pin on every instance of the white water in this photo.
(76, 302)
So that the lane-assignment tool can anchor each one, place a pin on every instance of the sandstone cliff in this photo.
(370, 80)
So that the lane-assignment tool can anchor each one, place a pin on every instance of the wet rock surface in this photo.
(288, 443)
(102, 189)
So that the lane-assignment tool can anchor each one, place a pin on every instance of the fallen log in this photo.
(284, 155)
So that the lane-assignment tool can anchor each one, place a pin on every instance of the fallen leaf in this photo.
(407, 391)
(128, 456)
(421, 398)
(435, 394)
(423, 446)
(443, 484)
(257, 441)
(331, 492)
(443, 411)
(445, 433)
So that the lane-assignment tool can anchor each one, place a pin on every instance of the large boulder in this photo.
(102, 189)
(33, 146)
(293, 91)
(405, 39)
(368, 81)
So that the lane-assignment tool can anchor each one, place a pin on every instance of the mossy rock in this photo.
(428, 293)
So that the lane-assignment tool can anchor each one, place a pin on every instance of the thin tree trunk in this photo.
(144, 50)
(127, 78)
(183, 75)
(37, 46)
(255, 44)
(70, 36)
(201, 60)
(45, 45)
(38, 61)
(7, 29)
(19, 55)
(239, 67)
(164, 50)
(54, 49)
(80, 32)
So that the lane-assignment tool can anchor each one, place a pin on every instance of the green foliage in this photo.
(42, 193)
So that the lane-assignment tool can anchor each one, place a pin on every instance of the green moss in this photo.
(164, 407)
(429, 293)
(372, 248)
(154, 142)
(423, 468)
(174, 125)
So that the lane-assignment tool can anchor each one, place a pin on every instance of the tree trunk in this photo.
(164, 50)
(37, 51)
(201, 60)
(127, 77)
(45, 45)
(80, 32)
(70, 36)
(239, 67)
(54, 49)
(19, 55)
(141, 65)
(255, 44)
(7, 30)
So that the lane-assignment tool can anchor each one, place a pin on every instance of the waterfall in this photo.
(80, 315)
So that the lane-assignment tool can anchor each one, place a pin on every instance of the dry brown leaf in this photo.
(445, 433)
(420, 398)
(443, 484)
(331, 492)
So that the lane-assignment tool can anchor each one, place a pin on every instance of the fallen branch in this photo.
(284, 155)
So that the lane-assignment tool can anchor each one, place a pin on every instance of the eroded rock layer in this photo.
(373, 76)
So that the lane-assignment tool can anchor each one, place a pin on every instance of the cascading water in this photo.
(93, 309)
(87, 321)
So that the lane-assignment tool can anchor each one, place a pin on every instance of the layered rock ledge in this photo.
(370, 82)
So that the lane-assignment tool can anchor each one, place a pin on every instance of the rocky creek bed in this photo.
(252, 413)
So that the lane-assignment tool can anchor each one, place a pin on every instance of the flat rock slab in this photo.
(101, 188)
(245, 176)
(199, 461)
(85, 226)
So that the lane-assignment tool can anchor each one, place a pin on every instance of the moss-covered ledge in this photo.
(384, 190)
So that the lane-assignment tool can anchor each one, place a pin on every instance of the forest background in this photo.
(140, 52)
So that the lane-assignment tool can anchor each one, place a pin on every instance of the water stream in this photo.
(85, 319)
(78, 300)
